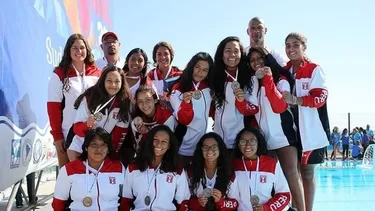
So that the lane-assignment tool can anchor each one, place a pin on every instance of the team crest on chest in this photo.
(112, 180)
(115, 115)
(263, 179)
(305, 85)
(169, 178)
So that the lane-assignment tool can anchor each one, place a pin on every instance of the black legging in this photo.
(345, 150)
(30, 183)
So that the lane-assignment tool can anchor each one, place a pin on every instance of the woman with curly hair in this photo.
(212, 181)
(154, 181)
(234, 90)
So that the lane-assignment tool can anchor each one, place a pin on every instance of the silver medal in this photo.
(254, 199)
(235, 85)
(207, 192)
(147, 200)
(98, 116)
(138, 121)
(197, 94)
(87, 201)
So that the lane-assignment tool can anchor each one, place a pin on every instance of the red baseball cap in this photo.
(109, 34)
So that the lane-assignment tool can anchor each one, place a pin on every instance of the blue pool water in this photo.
(344, 186)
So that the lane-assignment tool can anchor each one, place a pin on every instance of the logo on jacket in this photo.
(169, 178)
(305, 85)
(115, 115)
(263, 178)
(112, 180)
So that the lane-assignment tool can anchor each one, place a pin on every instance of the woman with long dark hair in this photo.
(92, 181)
(191, 101)
(275, 118)
(154, 181)
(75, 73)
(234, 90)
(135, 69)
(262, 184)
(106, 104)
(212, 182)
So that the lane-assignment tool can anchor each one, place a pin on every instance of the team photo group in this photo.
(239, 130)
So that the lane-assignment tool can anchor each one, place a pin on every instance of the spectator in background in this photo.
(345, 144)
(370, 133)
(356, 151)
(365, 140)
(335, 141)
(356, 136)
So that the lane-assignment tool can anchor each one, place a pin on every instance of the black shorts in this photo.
(315, 156)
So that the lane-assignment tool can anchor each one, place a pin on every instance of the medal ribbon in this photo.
(249, 176)
(152, 178)
(100, 107)
(234, 78)
(81, 80)
(196, 85)
(87, 177)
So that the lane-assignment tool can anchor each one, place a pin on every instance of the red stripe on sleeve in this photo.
(58, 204)
(278, 104)
(278, 202)
(246, 108)
(316, 99)
(186, 113)
(80, 128)
(55, 119)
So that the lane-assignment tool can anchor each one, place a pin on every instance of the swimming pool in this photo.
(344, 186)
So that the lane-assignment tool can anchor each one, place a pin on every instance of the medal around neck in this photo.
(235, 85)
(147, 200)
(87, 201)
(197, 94)
(138, 121)
(259, 73)
(254, 199)
(207, 192)
(98, 116)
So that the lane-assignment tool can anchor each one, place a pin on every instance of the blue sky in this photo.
(339, 37)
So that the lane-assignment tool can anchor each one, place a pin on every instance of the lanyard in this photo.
(249, 176)
(87, 177)
(100, 107)
(166, 76)
(196, 85)
(132, 77)
(81, 80)
(210, 182)
(234, 78)
(152, 178)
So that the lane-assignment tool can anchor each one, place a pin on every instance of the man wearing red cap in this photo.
(111, 49)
